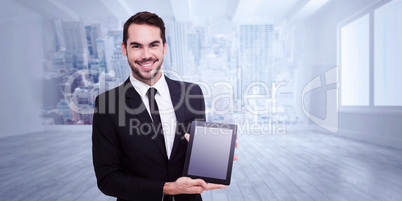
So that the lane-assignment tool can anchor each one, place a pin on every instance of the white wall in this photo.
(21, 53)
(321, 30)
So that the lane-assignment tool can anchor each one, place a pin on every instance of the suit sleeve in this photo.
(195, 103)
(201, 116)
(112, 178)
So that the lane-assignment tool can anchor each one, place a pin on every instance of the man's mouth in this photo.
(147, 65)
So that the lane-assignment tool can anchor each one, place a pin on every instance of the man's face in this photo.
(144, 52)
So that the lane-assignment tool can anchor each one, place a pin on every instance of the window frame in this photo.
(371, 108)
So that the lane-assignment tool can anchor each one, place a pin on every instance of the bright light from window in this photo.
(387, 54)
(355, 63)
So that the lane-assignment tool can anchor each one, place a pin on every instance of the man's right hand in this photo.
(186, 185)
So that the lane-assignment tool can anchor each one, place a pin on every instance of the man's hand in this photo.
(186, 185)
(187, 136)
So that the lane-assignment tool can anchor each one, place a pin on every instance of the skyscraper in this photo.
(117, 36)
(76, 45)
(120, 65)
(92, 33)
(193, 45)
(177, 47)
(105, 48)
(255, 55)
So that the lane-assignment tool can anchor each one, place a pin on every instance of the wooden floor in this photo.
(56, 165)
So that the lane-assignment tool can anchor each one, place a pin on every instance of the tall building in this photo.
(105, 48)
(177, 56)
(94, 67)
(255, 55)
(52, 45)
(117, 37)
(120, 65)
(84, 99)
(76, 45)
(59, 61)
(193, 45)
(92, 33)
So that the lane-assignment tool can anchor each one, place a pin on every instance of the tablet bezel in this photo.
(194, 124)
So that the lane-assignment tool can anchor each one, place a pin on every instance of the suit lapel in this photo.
(177, 92)
(135, 103)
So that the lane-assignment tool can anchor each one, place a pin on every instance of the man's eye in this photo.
(135, 46)
(154, 45)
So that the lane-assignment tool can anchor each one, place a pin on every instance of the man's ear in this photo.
(165, 48)
(123, 49)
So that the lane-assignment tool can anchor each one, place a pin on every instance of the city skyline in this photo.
(237, 54)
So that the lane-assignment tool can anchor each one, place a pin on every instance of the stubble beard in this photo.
(138, 73)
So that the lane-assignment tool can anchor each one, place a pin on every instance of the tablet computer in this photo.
(210, 152)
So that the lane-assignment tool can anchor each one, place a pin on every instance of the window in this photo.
(388, 54)
(355, 62)
(370, 60)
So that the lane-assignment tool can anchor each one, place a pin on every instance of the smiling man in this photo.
(138, 128)
(144, 51)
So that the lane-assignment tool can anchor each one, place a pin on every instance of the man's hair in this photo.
(144, 18)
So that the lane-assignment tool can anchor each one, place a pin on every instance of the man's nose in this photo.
(145, 53)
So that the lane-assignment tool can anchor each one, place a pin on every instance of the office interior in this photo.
(312, 84)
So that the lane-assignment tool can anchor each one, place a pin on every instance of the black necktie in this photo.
(154, 110)
(153, 106)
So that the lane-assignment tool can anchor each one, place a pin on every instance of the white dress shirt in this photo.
(165, 106)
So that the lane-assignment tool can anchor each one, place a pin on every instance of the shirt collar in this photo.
(142, 88)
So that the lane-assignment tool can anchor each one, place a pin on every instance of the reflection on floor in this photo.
(297, 166)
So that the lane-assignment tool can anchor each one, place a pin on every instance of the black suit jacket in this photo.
(129, 158)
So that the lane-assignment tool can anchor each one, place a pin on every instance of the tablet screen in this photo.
(210, 152)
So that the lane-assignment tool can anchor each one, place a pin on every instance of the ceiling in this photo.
(242, 11)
